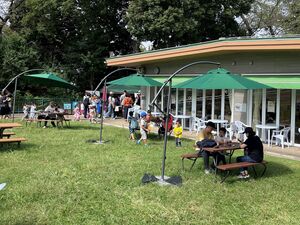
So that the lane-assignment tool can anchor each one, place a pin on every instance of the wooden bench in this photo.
(57, 122)
(190, 156)
(8, 134)
(232, 166)
(12, 140)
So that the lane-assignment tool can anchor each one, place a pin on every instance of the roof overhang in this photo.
(205, 49)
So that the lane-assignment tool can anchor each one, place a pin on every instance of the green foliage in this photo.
(56, 177)
(170, 23)
(16, 55)
(292, 24)
(73, 37)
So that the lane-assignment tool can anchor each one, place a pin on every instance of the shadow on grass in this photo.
(10, 147)
(274, 169)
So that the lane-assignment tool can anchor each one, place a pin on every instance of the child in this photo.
(76, 113)
(92, 114)
(32, 111)
(144, 129)
(133, 125)
(178, 133)
(221, 139)
(25, 111)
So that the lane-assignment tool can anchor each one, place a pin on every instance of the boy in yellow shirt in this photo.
(178, 133)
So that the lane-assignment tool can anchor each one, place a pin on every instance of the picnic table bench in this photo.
(12, 140)
(190, 156)
(227, 168)
(8, 134)
(56, 121)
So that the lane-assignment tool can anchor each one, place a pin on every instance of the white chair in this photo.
(198, 125)
(236, 128)
(231, 130)
(282, 135)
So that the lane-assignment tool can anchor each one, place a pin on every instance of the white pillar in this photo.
(263, 114)
(203, 103)
(213, 104)
(223, 104)
(278, 108)
(232, 105)
(176, 113)
(250, 107)
(194, 102)
(155, 92)
(293, 117)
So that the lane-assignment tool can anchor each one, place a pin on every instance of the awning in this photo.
(278, 81)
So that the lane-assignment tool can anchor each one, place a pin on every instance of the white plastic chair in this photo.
(282, 135)
(198, 125)
(236, 128)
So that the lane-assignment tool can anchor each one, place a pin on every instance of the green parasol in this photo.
(136, 80)
(220, 79)
(49, 80)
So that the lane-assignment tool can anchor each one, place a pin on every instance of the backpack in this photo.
(206, 143)
(134, 123)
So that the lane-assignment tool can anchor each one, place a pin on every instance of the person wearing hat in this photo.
(143, 128)
(206, 134)
(253, 151)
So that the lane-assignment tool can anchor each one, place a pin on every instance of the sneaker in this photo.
(138, 142)
(243, 176)
(44, 127)
(207, 171)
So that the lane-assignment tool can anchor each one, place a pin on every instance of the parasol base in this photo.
(100, 142)
(97, 142)
(167, 181)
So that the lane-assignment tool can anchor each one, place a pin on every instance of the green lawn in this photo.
(58, 178)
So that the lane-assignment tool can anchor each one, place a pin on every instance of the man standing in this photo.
(86, 103)
(111, 106)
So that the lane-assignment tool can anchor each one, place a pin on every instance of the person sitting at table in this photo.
(206, 139)
(253, 151)
(221, 139)
(49, 114)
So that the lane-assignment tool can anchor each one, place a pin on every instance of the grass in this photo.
(58, 178)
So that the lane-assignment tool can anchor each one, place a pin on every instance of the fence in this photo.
(66, 103)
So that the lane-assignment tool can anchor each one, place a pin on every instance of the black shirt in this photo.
(255, 148)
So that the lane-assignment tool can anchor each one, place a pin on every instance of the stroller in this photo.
(162, 126)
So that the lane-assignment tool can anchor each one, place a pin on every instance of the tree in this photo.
(272, 17)
(292, 23)
(74, 36)
(7, 8)
(176, 22)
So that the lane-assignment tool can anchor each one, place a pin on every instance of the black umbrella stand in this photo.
(104, 80)
(164, 180)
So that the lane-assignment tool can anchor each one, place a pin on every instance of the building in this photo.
(272, 61)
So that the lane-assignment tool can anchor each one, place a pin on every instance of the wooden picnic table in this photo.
(4, 126)
(226, 149)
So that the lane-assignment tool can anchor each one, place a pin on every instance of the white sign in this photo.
(240, 107)
(271, 106)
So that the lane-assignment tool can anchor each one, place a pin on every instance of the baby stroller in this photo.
(162, 126)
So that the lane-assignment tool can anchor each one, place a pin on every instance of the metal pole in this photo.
(102, 106)
(166, 132)
(102, 112)
(14, 102)
(169, 80)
